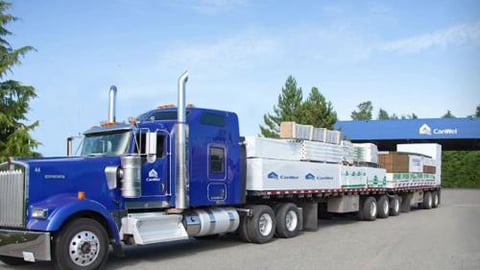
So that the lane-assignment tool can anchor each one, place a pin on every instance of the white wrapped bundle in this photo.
(319, 151)
(366, 152)
(259, 147)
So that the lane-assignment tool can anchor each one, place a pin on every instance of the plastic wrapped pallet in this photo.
(319, 151)
(366, 152)
(319, 134)
(272, 148)
(348, 152)
(376, 177)
(292, 130)
(333, 136)
(269, 174)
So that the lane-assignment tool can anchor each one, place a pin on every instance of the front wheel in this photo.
(81, 245)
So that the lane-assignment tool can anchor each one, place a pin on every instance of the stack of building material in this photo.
(292, 130)
(320, 151)
(429, 165)
(432, 150)
(407, 169)
(333, 136)
(319, 134)
(258, 147)
(348, 152)
(366, 152)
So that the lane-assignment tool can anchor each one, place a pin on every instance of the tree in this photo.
(317, 111)
(363, 112)
(383, 115)
(15, 138)
(287, 109)
(477, 114)
(448, 114)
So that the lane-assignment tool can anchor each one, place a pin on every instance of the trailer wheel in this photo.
(383, 206)
(395, 205)
(369, 209)
(406, 200)
(427, 200)
(436, 199)
(81, 245)
(287, 217)
(261, 226)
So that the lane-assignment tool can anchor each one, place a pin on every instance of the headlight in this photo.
(40, 213)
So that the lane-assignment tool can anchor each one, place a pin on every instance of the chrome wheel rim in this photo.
(265, 224)
(396, 205)
(291, 220)
(435, 197)
(84, 248)
(373, 209)
(385, 206)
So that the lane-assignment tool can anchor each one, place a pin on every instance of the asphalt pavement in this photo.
(444, 238)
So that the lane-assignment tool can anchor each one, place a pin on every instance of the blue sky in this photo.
(404, 56)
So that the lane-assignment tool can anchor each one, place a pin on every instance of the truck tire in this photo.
(287, 217)
(427, 200)
(395, 205)
(405, 206)
(81, 245)
(383, 206)
(261, 226)
(13, 260)
(243, 228)
(435, 199)
(369, 209)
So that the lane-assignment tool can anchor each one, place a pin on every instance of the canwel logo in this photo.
(152, 174)
(310, 177)
(425, 130)
(272, 175)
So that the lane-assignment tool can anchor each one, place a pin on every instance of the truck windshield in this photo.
(112, 143)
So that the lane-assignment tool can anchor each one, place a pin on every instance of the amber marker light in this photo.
(81, 195)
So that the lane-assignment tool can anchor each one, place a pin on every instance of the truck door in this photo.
(155, 172)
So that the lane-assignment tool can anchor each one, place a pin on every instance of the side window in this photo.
(141, 140)
(216, 157)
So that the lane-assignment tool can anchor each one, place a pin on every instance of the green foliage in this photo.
(363, 112)
(477, 114)
(448, 114)
(15, 139)
(315, 110)
(460, 169)
(383, 115)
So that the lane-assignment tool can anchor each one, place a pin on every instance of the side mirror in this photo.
(151, 146)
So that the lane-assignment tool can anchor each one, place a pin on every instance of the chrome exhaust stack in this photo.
(112, 96)
(181, 139)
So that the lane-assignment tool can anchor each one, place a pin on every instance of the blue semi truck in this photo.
(171, 174)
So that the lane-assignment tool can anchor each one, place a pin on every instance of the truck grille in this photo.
(12, 199)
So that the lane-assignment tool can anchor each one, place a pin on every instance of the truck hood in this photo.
(52, 176)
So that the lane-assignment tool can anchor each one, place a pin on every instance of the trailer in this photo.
(174, 173)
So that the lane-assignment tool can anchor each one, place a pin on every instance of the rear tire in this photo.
(369, 209)
(261, 226)
(383, 206)
(427, 200)
(395, 205)
(288, 219)
(435, 199)
(405, 206)
(81, 245)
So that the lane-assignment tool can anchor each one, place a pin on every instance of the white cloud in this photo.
(456, 35)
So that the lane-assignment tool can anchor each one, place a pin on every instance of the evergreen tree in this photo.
(363, 112)
(317, 111)
(477, 114)
(287, 109)
(383, 115)
(448, 114)
(15, 138)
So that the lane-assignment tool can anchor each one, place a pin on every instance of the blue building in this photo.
(451, 133)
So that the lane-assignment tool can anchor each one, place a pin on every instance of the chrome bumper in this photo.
(31, 246)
